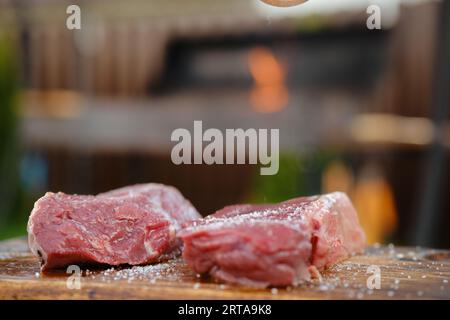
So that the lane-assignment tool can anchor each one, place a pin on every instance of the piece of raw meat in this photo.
(132, 225)
(274, 245)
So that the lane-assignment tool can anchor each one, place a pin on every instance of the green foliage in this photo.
(299, 175)
(283, 185)
(313, 23)
(9, 158)
(8, 90)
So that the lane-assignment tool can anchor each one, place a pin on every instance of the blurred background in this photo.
(361, 111)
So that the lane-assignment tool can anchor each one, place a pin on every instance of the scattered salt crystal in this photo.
(445, 281)
(409, 277)
(222, 286)
(424, 276)
(274, 291)
(390, 293)
(37, 274)
(196, 286)
(166, 271)
(324, 287)
(397, 281)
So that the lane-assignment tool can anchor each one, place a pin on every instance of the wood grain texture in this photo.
(406, 273)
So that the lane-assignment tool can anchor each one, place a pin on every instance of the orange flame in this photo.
(372, 196)
(269, 93)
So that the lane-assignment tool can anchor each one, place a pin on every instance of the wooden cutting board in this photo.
(405, 273)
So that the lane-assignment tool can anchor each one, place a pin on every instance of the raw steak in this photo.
(132, 225)
(278, 244)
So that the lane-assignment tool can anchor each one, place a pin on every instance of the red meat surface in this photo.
(132, 225)
(274, 245)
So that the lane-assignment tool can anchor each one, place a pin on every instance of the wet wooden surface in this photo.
(406, 273)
